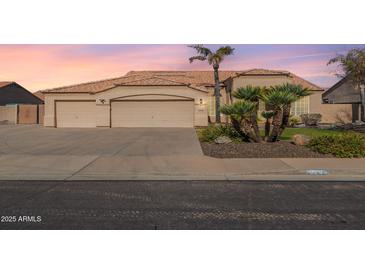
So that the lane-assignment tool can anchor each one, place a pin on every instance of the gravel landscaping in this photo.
(281, 149)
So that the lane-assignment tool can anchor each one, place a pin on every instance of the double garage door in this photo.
(148, 113)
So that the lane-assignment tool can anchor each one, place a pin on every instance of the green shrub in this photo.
(294, 120)
(212, 132)
(346, 145)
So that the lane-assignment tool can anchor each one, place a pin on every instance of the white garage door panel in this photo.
(76, 114)
(152, 114)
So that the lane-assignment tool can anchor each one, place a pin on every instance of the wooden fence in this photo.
(21, 114)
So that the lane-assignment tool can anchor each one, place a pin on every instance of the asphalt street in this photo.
(181, 205)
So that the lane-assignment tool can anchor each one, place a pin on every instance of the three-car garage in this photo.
(128, 107)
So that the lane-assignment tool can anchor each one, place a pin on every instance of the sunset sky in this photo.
(45, 66)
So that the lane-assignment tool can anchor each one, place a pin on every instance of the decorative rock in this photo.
(300, 140)
(223, 140)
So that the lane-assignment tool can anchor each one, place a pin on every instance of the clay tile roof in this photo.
(198, 78)
(300, 81)
(128, 80)
(92, 87)
(194, 79)
(151, 81)
(3, 84)
(296, 79)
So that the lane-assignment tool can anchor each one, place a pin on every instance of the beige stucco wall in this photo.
(331, 113)
(102, 101)
(260, 81)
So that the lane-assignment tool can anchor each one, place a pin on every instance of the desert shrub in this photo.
(311, 119)
(294, 120)
(212, 132)
(345, 145)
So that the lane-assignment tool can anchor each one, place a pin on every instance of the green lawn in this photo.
(210, 135)
(310, 132)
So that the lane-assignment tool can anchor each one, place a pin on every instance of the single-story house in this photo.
(162, 98)
(12, 93)
(344, 92)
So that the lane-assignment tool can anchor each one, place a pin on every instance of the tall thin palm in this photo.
(214, 59)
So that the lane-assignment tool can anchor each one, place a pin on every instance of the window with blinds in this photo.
(300, 106)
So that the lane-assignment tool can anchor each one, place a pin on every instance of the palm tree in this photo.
(353, 67)
(252, 94)
(276, 99)
(240, 113)
(214, 58)
(299, 92)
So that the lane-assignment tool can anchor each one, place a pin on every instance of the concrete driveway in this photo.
(36, 153)
(37, 140)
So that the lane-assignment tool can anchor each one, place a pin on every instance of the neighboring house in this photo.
(18, 105)
(345, 92)
(13, 93)
(161, 98)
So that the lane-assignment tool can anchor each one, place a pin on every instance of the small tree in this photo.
(214, 58)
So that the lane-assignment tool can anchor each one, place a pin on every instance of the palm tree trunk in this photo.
(267, 129)
(247, 128)
(237, 127)
(276, 122)
(217, 94)
(285, 120)
(255, 125)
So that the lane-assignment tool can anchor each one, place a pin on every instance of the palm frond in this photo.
(215, 59)
(225, 51)
(352, 65)
(201, 50)
(277, 97)
(249, 93)
(240, 109)
(268, 114)
(198, 57)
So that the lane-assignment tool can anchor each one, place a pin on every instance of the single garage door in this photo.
(76, 114)
(162, 113)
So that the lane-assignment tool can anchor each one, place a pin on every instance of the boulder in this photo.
(300, 140)
(223, 140)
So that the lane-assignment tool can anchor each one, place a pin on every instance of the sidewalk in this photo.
(183, 167)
